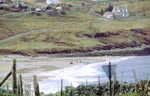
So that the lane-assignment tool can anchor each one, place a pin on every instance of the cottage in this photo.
(52, 2)
(108, 15)
(120, 11)
(49, 1)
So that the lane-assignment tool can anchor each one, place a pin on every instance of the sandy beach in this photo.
(45, 63)
(29, 66)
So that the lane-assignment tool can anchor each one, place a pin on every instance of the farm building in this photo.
(49, 1)
(52, 2)
(108, 15)
(120, 11)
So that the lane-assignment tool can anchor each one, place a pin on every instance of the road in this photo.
(21, 34)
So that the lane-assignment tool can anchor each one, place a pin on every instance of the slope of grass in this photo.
(140, 7)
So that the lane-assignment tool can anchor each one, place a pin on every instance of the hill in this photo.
(76, 31)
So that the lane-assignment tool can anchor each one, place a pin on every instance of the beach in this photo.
(73, 70)
(47, 62)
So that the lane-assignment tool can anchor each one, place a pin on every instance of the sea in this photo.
(128, 69)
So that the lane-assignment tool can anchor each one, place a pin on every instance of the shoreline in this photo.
(136, 51)
(28, 66)
(39, 66)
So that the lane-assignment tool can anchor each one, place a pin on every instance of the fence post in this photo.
(110, 83)
(135, 79)
(26, 90)
(7, 76)
(121, 82)
(36, 86)
(99, 89)
(71, 89)
(14, 85)
(99, 82)
(114, 80)
(7, 88)
(61, 94)
(29, 89)
(20, 86)
(86, 82)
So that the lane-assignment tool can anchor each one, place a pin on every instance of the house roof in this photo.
(108, 15)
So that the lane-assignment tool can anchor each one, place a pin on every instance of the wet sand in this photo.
(45, 63)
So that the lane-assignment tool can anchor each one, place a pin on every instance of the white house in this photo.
(52, 2)
(120, 11)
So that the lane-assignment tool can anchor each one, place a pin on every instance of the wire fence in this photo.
(19, 87)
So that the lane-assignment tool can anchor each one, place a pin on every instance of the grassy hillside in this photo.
(74, 31)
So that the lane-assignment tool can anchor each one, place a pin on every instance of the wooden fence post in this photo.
(7, 88)
(135, 77)
(36, 86)
(71, 89)
(86, 82)
(121, 82)
(110, 85)
(7, 76)
(29, 88)
(99, 86)
(20, 86)
(26, 90)
(99, 82)
(61, 94)
(114, 79)
(14, 85)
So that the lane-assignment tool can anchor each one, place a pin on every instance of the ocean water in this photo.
(79, 74)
